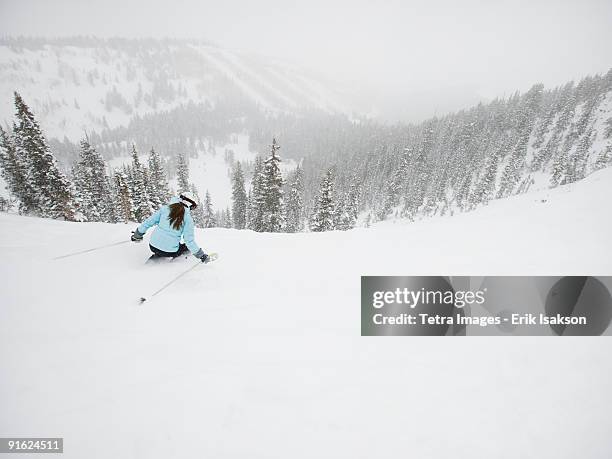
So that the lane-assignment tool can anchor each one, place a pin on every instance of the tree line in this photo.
(443, 165)
(134, 191)
(276, 204)
(39, 188)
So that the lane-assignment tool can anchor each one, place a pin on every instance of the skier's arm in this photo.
(188, 235)
(149, 222)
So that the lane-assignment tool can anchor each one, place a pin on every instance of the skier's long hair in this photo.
(177, 214)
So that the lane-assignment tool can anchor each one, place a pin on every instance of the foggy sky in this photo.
(483, 48)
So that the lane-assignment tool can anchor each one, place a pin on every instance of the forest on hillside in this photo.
(352, 170)
(449, 163)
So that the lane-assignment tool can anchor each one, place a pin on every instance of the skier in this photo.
(173, 221)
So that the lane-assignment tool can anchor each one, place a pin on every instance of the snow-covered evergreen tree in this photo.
(577, 162)
(257, 198)
(604, 159)
(53, 193)
(92, 186)
(559, 168)
(524, 119)
(159, 190)
(294, 220)
(339, 211)
(248, 211)
(14, 171)
(414, 194)
(224, 218)
(239, 198)
(323, 215)
(397, 186)
(140, 197)
(393, 192)
(198, 215)
(485, 189)
(273, 217)
(209, 214)
(463, 195)
(123, 197)
(182, 173)
(351, 207)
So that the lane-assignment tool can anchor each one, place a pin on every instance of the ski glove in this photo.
(201, 256)
(136, 236)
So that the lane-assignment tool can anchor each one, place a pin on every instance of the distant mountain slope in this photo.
(91, 84)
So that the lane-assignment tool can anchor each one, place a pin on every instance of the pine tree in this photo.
(159, 190)
(140, 198)
(462, 197)
(273, 215)
(338, 209)
(123, 197)
(53, 193)
(397, 186)
(524, 121)
(323, 215)
(577, 163)
(351, 207)
(485, 189)
(6, 204)
(525, 184)
(295, 203)
(560, 156)
(392, 194)
(209, 214)
(418, 179)
(151, 195)
(111, 211)
(14, 172)
(239, 198)
(198, 213)
(248, 211)
(559, 168)
(91, 184)
(224, 217)
(514, 168)
(604, 159)
(182, 173)
(257, 198)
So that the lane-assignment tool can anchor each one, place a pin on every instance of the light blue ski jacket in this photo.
(165, 237)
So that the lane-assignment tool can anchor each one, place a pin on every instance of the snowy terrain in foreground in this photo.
(258, 355)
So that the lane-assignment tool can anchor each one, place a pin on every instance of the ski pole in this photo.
(143, 299)
(90, 250)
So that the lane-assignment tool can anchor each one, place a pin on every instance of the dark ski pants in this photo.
(160, 253)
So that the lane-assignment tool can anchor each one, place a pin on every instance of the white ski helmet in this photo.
(188, 199)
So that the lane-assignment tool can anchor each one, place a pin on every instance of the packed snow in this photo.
(259, 354)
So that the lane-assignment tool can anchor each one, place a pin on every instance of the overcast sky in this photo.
(488, 48)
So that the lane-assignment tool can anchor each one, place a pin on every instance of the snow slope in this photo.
(258, 355)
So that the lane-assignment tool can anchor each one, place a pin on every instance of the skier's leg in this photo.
(182, 249)
(160, 253)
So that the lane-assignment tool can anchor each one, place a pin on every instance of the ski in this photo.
(155, 259)
(212, 257)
